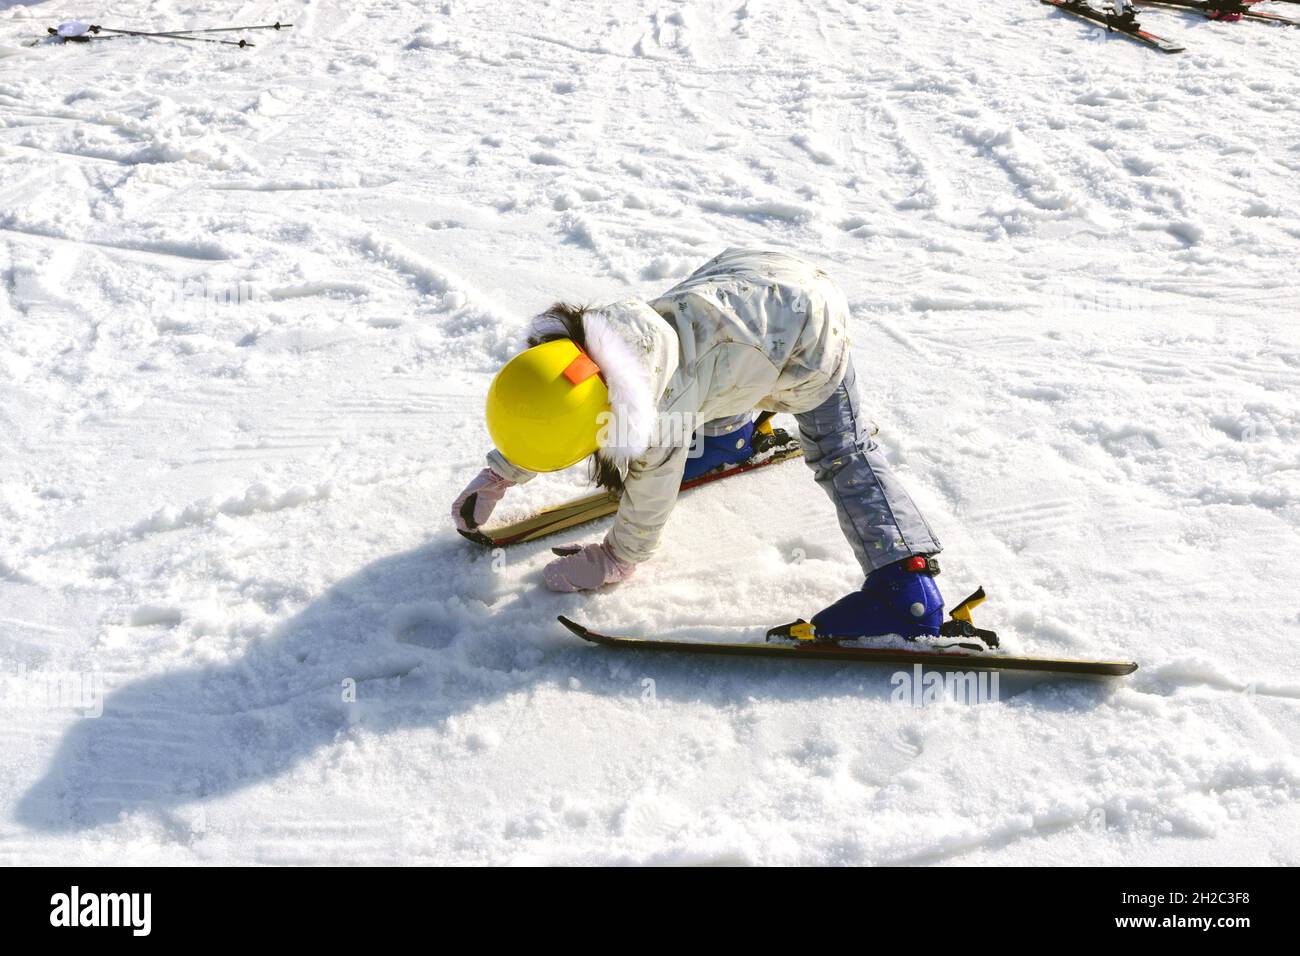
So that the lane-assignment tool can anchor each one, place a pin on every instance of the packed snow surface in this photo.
(251, 302)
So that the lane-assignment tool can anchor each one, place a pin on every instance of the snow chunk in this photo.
(151, 615)
(816, 148)
(257, 498)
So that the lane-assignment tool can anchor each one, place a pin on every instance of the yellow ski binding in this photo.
(961, 624)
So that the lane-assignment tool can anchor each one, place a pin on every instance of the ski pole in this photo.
(176, 33)
(261, 26)
(168, 36)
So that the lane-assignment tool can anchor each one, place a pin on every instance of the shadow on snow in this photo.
(425, 635)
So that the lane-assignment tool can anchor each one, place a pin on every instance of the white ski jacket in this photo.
(750, 329)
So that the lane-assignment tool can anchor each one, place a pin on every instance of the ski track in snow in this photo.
(250, 302)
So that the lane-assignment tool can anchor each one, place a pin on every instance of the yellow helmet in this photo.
(542, 407)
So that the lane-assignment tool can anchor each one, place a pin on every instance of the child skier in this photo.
(749, 329)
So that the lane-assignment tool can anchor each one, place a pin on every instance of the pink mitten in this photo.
(475, 504)
(585, 569)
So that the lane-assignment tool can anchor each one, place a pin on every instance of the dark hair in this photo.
(606, 475)
(570, 317)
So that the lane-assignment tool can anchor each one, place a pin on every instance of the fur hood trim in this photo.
(636, 350)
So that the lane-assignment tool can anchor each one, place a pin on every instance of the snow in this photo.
(252, 299)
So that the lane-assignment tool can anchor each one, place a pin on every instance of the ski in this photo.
(1113, 23)
(52, 37)
(958, 659)
(570, 514)
(1226, 10)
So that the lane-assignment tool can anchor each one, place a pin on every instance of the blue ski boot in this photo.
(900, 598)
(718, 450)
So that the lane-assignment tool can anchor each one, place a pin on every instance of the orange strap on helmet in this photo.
(581, 368)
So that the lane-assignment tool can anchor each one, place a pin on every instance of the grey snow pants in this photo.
(877, 515)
